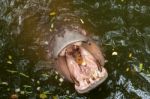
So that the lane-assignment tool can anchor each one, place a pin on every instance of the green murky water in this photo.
(123, 27)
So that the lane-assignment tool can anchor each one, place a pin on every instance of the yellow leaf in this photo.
(9, 62)
(9, 57)
(130, 55)
(52, 13)
(52, 25)
(127, 69)
(38, 82)
(43, 96)
(114, 53)
(82, 21)
(140, 66)
(55, 97)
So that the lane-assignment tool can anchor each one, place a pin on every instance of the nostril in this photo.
(89, 43)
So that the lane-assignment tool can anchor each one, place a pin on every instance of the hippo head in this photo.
(78, 59)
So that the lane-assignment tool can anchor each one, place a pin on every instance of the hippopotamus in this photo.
(76, 56)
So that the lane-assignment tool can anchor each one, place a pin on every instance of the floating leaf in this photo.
(38, 82)
(22, 92)
(9, 57)
(11, 71)
(130, 55)
(17, 90)
(52, 13)
(52, 25)
(60, 84)
(45, 75)
(56, 72)
(114, 53)
(43, 96)
(141, 66)
(38, 88)
(67, 92)
(56, 77)
(26, 86)
(22, 74)
(135, 68)
(4, 83)
(96, 5)
(61, 80)
(9, 62)
(8, 89)
(82, 21)
(67, 98)
(55, 97)
(28, 92)
(127, 69)
(50, 30)
(23, 49)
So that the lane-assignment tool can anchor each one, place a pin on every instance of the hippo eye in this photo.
(84, 41)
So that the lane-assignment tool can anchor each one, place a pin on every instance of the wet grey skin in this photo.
(68, 38)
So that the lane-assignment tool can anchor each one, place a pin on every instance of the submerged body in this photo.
(76, 56)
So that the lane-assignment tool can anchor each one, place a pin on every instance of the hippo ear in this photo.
(95, 51)
(62, 67)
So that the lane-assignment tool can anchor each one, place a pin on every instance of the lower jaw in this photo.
(94, 84)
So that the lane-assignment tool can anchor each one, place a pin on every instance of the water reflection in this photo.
(122, 27)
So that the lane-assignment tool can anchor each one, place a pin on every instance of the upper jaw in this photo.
(68, 37)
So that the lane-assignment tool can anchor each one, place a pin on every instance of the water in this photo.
(122, 26)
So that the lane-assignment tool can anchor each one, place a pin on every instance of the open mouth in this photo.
(78, 59)
(85, 70)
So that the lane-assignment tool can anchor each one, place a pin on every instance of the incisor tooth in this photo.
(91, 80)
(100, 74)
(95, 74)
(85, 82)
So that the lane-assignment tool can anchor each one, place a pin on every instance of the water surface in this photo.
(121, 26)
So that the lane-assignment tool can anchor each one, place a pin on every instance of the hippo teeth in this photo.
(86, 81)
(92, 82)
